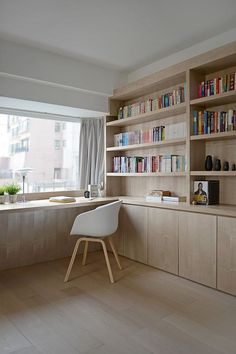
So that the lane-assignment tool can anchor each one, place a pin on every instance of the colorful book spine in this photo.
(147, 164)
(217, 85)
(208, 122)
(168, 99)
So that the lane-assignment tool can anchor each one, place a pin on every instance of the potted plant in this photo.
(12, 190)
(2, 195)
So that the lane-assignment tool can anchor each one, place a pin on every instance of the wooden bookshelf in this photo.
(222, 145)
(148, 174)
(215, 136)
(150, 116)
(215, 100)
(214, 173)
(148, 145)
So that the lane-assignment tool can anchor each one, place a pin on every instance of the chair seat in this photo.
(95, 226)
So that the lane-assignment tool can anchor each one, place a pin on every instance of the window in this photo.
(57, 127)
(29, 143)
(57, 144)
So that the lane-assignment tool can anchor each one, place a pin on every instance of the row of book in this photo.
(168, 132)
(217, 85)
(207, 122)
(159, 163)
(153, 104)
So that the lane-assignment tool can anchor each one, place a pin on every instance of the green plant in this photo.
(2, 190)
(12, 189)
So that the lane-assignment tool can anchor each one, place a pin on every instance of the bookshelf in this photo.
(191, 73)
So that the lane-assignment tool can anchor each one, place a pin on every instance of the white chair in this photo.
(96, 225)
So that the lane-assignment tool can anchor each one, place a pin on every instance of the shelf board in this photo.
(150, 116)
(154, 82)
(214, 173)
(215, 100)
(148, 145)
(215, 136)
(148, 174)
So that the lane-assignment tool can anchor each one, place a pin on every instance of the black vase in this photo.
(226, 166)
(217, 165)
(208, 163)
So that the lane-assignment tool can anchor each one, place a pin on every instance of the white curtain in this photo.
(91, 152)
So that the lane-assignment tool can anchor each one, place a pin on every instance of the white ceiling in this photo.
(121, 34)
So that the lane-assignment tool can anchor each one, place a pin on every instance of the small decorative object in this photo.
(101, 190)
(208, 163)
(2, 195)
(194, 202)
(226, 166)
(93, 189)
(23, 172)
(233, 167)
(217, 165)
(206, 192)
(86, 194)
(12, 190)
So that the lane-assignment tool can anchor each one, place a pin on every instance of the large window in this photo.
(45, 150)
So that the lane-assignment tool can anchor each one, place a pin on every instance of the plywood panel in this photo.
(162, 239)
(135, 233)
(226, 260)
(197, 247)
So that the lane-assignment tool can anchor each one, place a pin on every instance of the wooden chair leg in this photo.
(114, 251)
(85, 253)
(72, 260)
(107, 261)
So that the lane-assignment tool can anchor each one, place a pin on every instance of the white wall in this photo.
(35, 74)
(200, 48)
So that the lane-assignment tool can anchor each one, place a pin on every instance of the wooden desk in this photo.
(38, 231)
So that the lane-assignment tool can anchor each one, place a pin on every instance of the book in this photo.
(62, 199)
(174, 199)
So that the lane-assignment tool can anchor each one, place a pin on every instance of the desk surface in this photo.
(219, 210)
(45, 203)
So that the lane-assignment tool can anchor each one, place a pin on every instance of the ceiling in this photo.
(120, 34)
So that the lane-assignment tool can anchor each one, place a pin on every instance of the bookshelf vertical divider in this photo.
(192, 72)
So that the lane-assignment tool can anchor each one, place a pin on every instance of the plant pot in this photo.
(13, 198)
(2, 199)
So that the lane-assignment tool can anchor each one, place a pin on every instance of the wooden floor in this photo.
(145, 311)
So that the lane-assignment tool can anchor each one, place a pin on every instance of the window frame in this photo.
(56, 117)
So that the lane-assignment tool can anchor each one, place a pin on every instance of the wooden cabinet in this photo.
(226, 255)
(162, 239)
(135, 232)
(118, 237)
(197, 247)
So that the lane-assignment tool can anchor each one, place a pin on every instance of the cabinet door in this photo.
(163, 239)
(197, 248)
(135, 232)
(118, 236)
(226, 257)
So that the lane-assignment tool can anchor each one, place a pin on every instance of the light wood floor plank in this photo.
(146, 311)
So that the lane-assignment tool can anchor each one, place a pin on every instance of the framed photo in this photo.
(206, 192)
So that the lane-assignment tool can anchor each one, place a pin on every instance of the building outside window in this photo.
(57, 144)
(57, 127)
(34, 143)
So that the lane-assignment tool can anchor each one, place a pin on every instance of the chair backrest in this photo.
(99, 222)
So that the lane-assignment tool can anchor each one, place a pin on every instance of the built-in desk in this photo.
(38, 231)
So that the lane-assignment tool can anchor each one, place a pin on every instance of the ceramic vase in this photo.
(217, 165)
(226, 166)
(208, 163)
